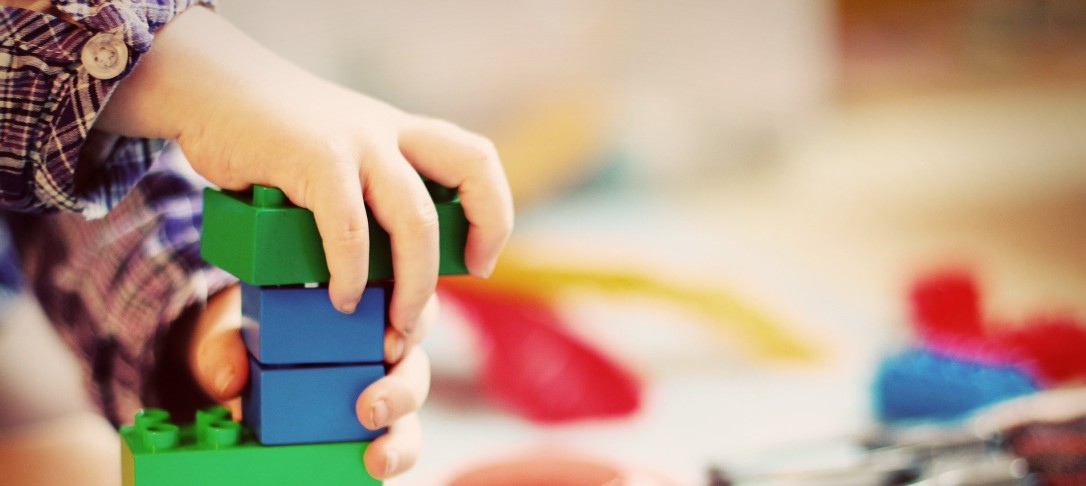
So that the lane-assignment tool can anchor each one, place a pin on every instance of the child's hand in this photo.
(244, 116)
(218, 361)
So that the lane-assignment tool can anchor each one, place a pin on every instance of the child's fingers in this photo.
(396, 395)
(398, 345)
(397, 450)
(335, 197)
(430, 313)
(217, 355)
(402, 206)
(454, 157)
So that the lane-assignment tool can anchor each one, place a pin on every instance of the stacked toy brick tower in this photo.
(308, 362)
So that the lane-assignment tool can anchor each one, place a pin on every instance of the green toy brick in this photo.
(269, 197)
(439, 193)
(261, 245)
(217, 451)
(453, 237)
(262, 239)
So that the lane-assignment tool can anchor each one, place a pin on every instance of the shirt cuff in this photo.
(60, 75)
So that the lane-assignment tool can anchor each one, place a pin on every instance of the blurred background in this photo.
(804, 160)
(721, 208)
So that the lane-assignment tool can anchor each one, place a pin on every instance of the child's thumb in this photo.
(217, 356)
(222, 366)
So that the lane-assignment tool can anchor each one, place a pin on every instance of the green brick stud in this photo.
(263, 239)
(217, 451)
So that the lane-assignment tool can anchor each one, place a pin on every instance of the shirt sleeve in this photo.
(58, 68)
(115, 286)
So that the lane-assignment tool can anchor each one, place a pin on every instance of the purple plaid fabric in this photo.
(114, 286)
(49, 102)
(115, 261)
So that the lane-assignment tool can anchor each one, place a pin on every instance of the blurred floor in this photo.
(827, 232)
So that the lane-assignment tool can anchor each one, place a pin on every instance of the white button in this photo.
(105, 55)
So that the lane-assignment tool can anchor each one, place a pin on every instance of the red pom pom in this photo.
(1054, 347)
(946, 308)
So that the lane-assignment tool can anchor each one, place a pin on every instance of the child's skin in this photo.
(244, 116)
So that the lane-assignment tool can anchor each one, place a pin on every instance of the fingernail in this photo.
(348, 308)
(410, 325)
(486, 270)
(379, 414)
(394, 349)
(392, 461)
(223, 380)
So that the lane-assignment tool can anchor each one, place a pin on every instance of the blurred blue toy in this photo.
(920, 384)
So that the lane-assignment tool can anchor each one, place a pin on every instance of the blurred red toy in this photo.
(537, 368)
(946, 307)
(946, 310)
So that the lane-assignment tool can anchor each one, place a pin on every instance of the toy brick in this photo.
(439, 193)
(306, 404)
(266, 244)
(217, 451)
(262, 239)
(269, 197)
(453, 234)
(295, 325)
(920, 384)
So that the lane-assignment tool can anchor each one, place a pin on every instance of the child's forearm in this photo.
(199, 64)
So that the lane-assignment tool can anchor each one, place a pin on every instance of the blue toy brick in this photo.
(307, 404)
(295, 325)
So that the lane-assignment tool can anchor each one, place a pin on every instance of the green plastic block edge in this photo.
(262, 239)
(452, 237)
(211, 462)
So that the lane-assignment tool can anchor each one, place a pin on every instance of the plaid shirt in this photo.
(107, 227)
